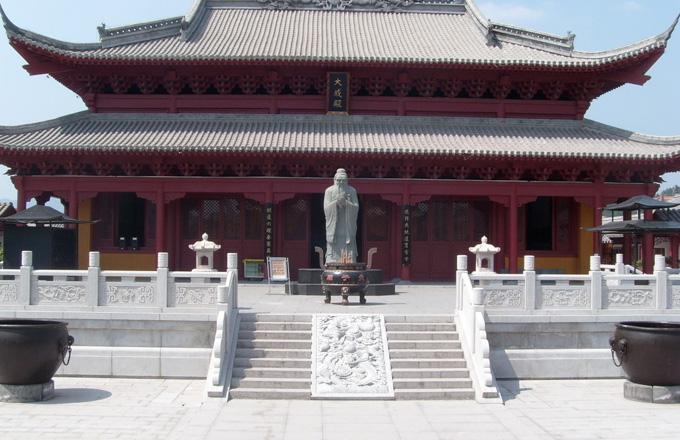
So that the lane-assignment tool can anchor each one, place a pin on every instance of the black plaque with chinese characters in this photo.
(338, 92)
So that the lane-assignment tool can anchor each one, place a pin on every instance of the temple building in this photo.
(232, 120)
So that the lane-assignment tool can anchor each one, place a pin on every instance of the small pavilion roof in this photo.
(638, 227)
(40, 214)
(439, 32)
(640, 202)
(97, 133)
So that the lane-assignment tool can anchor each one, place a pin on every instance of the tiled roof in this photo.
(381, 135)
(228, 31)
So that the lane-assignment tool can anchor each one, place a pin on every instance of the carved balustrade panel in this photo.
(9, 292)
(630, 297)
(563, 297)
(59, 290)
(675, 296)
(507, 297)
(128, 293)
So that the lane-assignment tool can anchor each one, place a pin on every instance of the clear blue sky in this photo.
(598, 25)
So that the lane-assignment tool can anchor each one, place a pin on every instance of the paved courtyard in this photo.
(97, 408)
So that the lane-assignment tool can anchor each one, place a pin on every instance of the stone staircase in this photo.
(273, 357)
(427, 358)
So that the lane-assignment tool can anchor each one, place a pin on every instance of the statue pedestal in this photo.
(344, 279)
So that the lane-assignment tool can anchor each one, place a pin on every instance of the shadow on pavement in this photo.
(77, 395)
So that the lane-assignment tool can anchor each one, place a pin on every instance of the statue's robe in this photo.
(341, 223)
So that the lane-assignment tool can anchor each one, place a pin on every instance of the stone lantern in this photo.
(484, 253)
(204, 254)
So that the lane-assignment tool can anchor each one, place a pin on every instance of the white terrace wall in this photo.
(126, 323)
(557, 326)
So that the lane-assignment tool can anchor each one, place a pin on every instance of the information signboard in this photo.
(278, 271)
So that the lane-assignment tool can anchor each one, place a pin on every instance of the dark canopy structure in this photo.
(638, 227)
(640, 202)
(41, 215)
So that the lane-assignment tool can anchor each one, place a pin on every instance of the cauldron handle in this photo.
(66, 350)
(619, 348)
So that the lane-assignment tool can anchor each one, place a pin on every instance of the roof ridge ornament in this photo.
(340, 5)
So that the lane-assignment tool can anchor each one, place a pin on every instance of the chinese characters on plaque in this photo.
(338, 92)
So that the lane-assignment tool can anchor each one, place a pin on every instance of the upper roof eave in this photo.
(185, 25)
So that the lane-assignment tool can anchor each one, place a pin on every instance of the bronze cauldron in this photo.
(31, 351)
(344, 279)
(649, 352)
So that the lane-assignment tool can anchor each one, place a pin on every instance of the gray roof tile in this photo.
(266, 134)
(257, 34)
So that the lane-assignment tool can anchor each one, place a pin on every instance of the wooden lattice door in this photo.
(294, 218)
(378, 233)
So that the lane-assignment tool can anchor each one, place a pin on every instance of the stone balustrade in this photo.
(95, 289)
(597, 292)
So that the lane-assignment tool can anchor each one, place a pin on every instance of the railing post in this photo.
(25, 277)
(232, 266)
(93, 273)
(661, 274)
(619, 267)
(530, 282)
(595, 282)
(162, 273)
(461, 268)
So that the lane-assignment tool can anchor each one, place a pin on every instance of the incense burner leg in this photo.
(345, 295)
(362, 297)
(327, 291)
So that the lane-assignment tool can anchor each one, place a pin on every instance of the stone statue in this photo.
(341, 206)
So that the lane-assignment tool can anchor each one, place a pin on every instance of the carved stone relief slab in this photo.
(350, 358)
(117, 294)
(59, 294)
(565, 297)
(676, 297)
(502, 298)
(191, 296)
(631, 297)
(8, 293)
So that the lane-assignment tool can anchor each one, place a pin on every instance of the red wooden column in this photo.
(597, 221)
(160, 221)
(513, 234)
(648, 246)
(627, 243)
(675, 242)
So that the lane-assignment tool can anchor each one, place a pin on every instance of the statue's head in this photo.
(340, 178)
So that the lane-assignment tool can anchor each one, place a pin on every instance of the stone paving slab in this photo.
(93, 408)
(410, 299)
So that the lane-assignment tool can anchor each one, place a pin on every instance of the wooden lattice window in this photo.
(254, 218)
(419, 222)
(295, 219)
(441, 216)
(461, 221)
(377, 221)
(231, 217)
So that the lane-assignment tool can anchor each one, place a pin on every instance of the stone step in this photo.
(435, 394)
(270, 394)
(275, 343)
(275, 334)
(419, 327)
(270, 317)
(389, 319)
(272, 383)
(427, 363)
(289, 373)
(422, 345)
(421, 336)
(290, 353)
(412, 373)
(273, 362)
(431, 383)
(426, 354)
(278, 326)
